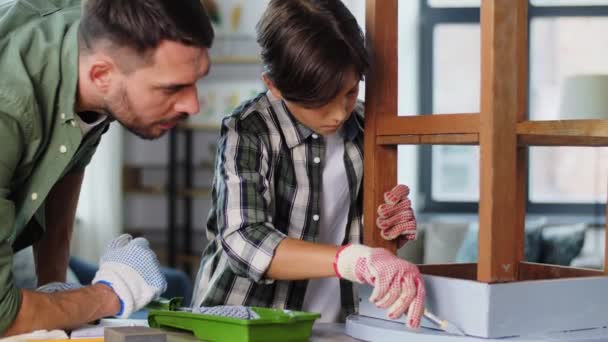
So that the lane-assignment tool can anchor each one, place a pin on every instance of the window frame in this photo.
(430, 17)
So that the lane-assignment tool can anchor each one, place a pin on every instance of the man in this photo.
(66, 73)
(285, 226)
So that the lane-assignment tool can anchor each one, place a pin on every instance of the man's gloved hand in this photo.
(397, 283)
(396, 217)
(58, 287)
(131, 269)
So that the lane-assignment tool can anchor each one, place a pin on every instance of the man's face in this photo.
(151, 99)
(327, 119)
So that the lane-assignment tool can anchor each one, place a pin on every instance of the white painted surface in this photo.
(371, 329)
(512, 309)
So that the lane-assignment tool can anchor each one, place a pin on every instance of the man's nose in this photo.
(188, 103)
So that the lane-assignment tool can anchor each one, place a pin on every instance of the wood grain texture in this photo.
(534, 271)
(459, 271)
(521, 172)
(450, 139)
(563, 133)
(380, 162)
(503, 26)
(429, 139)
(429, 124)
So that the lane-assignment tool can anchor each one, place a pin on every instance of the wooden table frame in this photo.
(502, 131)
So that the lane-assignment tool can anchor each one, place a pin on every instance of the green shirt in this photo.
(40, 141)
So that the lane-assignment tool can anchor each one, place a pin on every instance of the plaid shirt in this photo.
(268, 187)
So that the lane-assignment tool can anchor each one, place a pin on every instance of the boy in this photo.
(286, 220)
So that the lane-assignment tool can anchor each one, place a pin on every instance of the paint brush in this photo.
(443, 324)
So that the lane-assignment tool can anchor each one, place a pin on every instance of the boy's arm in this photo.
(63, 310)
(242, 203)
(299, 260)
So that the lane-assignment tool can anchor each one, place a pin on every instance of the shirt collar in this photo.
(296, 133)
(69, 72)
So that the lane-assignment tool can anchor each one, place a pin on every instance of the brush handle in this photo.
(433, 318)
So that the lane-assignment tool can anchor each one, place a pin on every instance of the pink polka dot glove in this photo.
(398, 285)
(395, 217)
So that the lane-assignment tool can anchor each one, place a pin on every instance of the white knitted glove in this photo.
(398, 285)
(58, 287)
(131, 269)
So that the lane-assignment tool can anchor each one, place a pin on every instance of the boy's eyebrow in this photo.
(354, 86)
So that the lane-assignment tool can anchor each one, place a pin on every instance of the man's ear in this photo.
(101, 72)
(270, 85)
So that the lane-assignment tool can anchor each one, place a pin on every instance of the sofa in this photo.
(455, 241)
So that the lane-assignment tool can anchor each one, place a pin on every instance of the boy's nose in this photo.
(339, 115)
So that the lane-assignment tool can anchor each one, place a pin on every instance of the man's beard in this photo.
(138, 131)
(119, 108)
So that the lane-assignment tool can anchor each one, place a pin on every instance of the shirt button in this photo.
(63, 149)
(62, 116)
(317, 160)
(315, 218)
(34, 196)
(315, 136)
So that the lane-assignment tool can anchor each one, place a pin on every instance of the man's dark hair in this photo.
(142, 24)
(308, 48)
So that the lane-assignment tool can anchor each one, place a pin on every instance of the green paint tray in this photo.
(273, 325)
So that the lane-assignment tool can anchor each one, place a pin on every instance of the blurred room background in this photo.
(160, 189)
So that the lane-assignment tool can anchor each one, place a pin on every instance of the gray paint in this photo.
(511, 309)
(372, 329)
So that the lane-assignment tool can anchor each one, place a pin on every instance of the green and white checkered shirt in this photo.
(267, 186)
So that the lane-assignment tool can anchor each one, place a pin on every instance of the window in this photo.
(476, 3)
(566, 38)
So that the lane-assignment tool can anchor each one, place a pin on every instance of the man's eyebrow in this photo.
(183, 85)
(174, 85)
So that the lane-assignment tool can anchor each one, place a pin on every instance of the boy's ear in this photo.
(270, 85)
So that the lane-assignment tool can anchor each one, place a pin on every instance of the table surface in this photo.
(322, 332)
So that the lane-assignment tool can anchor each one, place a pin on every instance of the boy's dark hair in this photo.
(308, 47)
(141, 25)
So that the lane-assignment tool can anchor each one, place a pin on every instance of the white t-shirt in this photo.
(86, 127)
(323, 295)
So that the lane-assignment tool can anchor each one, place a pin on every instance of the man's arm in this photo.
(10, 154)
(53, 250)
(63, 310)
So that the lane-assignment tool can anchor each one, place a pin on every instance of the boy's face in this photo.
(327, 119)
